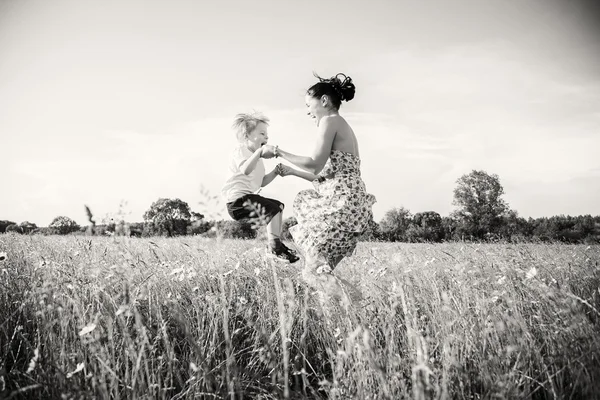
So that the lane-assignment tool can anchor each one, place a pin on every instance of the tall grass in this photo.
(196, 318)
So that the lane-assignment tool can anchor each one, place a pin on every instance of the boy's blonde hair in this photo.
(243, 124)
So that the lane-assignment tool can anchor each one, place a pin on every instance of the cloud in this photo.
(423, 118)
(130, 165)
(576, 195)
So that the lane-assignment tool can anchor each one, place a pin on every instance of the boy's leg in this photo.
(274, 236)
(272, 213)
(274, 230)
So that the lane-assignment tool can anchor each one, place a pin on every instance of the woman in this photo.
(333, 216)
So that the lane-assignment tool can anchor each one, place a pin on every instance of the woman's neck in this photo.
(331, 113)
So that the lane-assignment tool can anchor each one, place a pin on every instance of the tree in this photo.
(196, 216)
(394, 224)
(168, 217)
(27, 227)
(480, 206)
(426, 227)
(514, 228)
(4, 224)
(449, 228)
(63, 225)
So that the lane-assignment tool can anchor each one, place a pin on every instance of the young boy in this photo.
(247, 176)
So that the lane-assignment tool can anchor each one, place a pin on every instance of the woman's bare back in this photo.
(345, 139)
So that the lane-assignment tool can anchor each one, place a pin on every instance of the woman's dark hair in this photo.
(338, 88)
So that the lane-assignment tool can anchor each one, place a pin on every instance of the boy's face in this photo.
(258, 137)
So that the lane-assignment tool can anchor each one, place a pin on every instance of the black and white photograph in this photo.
(384, 199)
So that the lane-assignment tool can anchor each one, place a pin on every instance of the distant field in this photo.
(191, 318)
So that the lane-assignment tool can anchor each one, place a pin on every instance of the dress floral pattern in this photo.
(332, 216)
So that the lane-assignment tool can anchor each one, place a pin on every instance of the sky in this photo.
(116, 104)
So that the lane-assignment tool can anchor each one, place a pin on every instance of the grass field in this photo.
(92, 317)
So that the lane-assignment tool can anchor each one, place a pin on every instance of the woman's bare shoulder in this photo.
(331, 120)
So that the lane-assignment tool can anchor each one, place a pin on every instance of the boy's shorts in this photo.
(269, 207)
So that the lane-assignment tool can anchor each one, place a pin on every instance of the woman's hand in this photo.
(267, 151)
(285, 170)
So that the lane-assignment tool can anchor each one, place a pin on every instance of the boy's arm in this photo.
(248, 165)
(268, 178)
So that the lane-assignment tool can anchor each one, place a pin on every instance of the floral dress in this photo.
(332, 217)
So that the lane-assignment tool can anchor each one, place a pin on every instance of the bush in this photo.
(199, 227)
(42, 231)
(235, 230)
(285, 229)
(14, 228)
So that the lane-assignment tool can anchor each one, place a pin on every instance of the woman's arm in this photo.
(305, 175)
(285, 170)
(314, 164)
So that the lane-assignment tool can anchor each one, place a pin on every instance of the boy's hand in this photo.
(284, 170)
(267, 151)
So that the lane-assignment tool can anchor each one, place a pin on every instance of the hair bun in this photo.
(343, 86)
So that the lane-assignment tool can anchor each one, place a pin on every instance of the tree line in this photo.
(481, 214)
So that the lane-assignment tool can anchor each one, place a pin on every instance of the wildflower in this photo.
(194, 367)
(87, 329)
(124, 308)
(33, 362)
(2, 256)
(531, 273)
(243, 300)
(78, 369)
